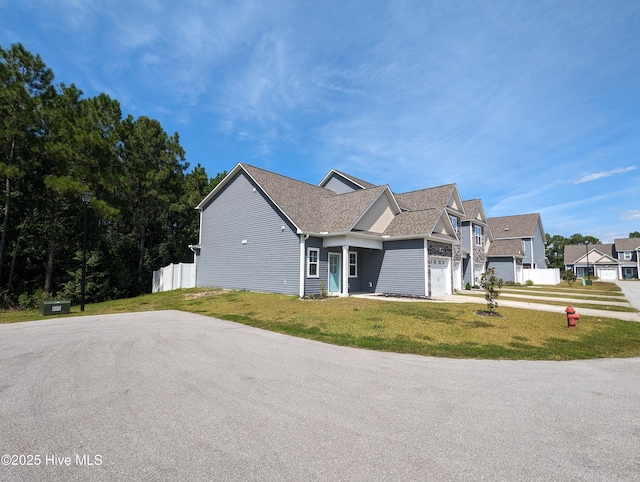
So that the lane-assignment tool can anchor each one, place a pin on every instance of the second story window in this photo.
(454, 222)
(626, 255)
(478, 235)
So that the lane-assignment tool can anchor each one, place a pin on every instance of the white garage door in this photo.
(440, 279)
(608, 274)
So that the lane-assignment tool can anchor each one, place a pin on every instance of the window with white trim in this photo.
(626, 255)
(353, 264)
(454, 221)
(313, 264)
(478, 235)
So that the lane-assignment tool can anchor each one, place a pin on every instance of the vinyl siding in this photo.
(378, 216)
(270, 259)
(312, 285)
(339, 185)
(400, 268)
(504, 268)
(538, 249)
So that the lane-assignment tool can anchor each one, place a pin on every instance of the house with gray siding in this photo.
(475, 237)
(262, 231)
(609, 261)
(505, 256)
(525, 229)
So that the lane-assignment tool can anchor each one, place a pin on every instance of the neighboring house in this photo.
(475, 237)
(441, 198)
(527, 228)
(617, 260)
(505, 256)
(628, 250)
(261, 231)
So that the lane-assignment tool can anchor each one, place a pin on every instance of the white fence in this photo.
(549, 276)
(174, 276)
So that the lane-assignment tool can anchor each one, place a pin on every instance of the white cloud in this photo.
(599, 175)
(633, 215)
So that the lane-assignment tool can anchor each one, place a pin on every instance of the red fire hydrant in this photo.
(572, 316)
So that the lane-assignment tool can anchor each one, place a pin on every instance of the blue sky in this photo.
(533, 106)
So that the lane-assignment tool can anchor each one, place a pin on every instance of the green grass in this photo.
(433, 329)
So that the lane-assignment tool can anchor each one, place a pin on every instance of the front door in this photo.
(334, 273)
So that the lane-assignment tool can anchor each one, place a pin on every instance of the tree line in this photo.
(56, 144)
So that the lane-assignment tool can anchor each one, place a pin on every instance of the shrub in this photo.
(529, 282)
(467, 286)
(569, 276)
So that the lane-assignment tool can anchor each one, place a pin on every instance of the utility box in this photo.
(586, 282)
(60, 307)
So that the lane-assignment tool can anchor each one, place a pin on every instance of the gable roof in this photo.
(474, 211)
(626, 244)
(506, 247)
(421, 223)
(317, 210)
(576, 253)
(358, 182)
(340, 212)
(518, 226)
(439, 197)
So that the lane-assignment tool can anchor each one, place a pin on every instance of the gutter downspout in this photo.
(302, 253)
(515, 270)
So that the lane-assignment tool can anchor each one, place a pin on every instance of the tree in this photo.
(554, 247)
(569, 276)
(24, 81)
(154, 168)
(635, 234)
(491, 285)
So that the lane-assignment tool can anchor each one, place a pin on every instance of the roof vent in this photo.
(506, 229)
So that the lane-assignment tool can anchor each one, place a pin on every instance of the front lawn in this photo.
(434, 329)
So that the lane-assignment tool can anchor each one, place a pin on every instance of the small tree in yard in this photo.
(569, 276)
(491, 285)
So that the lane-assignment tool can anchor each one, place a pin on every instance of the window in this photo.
(454, 222)
(312, 263)
(353, 264)
(626, 255)
(478, 235)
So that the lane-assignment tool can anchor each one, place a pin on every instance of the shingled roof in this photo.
(434, 197)
(298, 200)
(573, 252)
(472, 209)
(354, 179)
(410, 223)
(314, 209)
(626, 244)
(506, 247)
(341, 211)
(518, 226)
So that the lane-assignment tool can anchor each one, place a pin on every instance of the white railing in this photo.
(550, 276)
(174, 276)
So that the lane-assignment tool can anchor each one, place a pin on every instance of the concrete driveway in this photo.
(176, 396)
(631, 290)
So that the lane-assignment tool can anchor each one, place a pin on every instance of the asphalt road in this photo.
(176, 396)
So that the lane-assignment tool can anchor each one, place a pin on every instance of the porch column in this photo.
(345, 271)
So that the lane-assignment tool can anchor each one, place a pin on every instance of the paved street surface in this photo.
(631, 290)
(176, 396)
